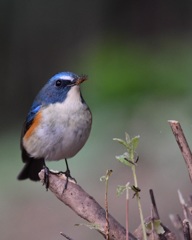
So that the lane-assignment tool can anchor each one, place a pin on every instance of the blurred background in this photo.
(138, 57)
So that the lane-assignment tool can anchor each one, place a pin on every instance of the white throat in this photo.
(73, 96)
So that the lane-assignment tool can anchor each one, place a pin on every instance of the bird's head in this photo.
(59, 87)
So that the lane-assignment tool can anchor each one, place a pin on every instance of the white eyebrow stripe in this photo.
(66, 78)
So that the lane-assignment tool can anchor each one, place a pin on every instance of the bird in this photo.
(57, 126)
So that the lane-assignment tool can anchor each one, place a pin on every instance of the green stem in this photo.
(138, 198)
(106, 204)
(141, 217)
(134, 176)
(127, 211)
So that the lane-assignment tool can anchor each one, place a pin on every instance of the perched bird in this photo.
(57, 125)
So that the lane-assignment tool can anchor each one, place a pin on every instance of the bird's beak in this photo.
(80, 79)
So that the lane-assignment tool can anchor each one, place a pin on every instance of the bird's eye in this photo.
(58, 83)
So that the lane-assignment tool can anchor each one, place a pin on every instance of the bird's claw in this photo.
(68, 175)
(46, 177)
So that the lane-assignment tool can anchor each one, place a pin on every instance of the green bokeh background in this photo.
(139, 77)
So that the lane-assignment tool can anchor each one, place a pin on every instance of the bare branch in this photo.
(64, 235)
(183, 204)
(186, 230)
(85, 206)
(154, 206)
(176, 221)
(183, 145)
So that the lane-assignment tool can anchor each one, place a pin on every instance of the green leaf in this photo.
(134, 142)
(156, 224)
(102, 178)
(121, 189)
(106, 177)
(127, 137)
(125, 159)
(160, 230)
(90, 226)
(121, 141)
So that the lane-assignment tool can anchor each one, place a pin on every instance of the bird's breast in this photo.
(61, 131)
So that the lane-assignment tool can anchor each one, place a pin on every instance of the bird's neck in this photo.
(74, 98)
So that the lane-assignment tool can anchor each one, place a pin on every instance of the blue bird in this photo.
(57, 125)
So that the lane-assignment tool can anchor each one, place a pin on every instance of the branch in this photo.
(183, 145)
(186, 230)
(85, 206)
(154, 206)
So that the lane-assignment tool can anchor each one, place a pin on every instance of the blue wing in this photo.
(33, 111)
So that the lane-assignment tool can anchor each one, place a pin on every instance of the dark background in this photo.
(138, 57)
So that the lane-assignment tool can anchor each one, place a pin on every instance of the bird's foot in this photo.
(68, 176)
(46, 177)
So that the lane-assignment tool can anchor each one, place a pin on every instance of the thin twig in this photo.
(176, 221)
(108, 173)
(155, 211)
(177, 224)
(183, 204)
(127, 211)
(67, 237)
(152, 224)
(186, 230)
(182, 143)
(137, 190)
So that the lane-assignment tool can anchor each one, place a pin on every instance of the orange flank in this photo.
(34, 124)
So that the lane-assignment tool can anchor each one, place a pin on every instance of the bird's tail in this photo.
(31, 169)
